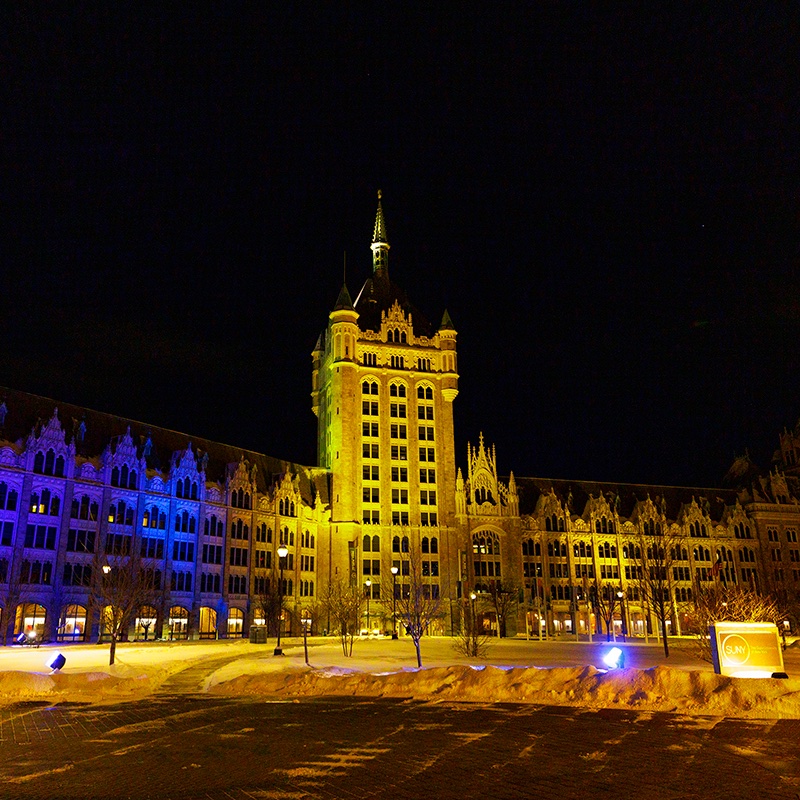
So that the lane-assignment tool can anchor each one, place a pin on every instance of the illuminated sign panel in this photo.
(746, 649)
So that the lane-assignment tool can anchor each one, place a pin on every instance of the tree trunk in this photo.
(664, 636)
(113, 651)
(419, 654)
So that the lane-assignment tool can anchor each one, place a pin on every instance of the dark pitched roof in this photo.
(343, 301)
(29, 411)
(379, 294)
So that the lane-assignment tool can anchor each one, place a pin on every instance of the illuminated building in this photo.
(208, 518)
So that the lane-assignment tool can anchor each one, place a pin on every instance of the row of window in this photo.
(398, 452)
(396, 390)
(45, 501)
(609, 551)
(401, 544)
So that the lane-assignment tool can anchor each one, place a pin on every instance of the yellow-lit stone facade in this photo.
(384, 383)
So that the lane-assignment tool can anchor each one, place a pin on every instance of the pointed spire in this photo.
(343, 302)
(379, 231)
(380, 244)
(447, 323)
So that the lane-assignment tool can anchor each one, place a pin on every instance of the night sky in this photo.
(605, 200)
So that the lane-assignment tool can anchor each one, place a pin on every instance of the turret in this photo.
(343, 327)
(447, 336)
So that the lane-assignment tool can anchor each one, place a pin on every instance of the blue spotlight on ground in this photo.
(56, 662)
(614, 658)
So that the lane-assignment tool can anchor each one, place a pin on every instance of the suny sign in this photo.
(746, 649)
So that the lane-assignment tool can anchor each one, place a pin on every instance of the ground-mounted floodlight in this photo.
(56, 662)
(614, 658)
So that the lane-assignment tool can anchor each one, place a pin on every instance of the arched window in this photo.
(367, 545)
(8, 497)
(396, 544)
(178, 622)
(376, 543)
(404, 544)
(369, 387)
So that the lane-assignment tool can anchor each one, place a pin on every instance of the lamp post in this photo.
(394, 602)
(369, 592)
(283, 551)
(473, 597)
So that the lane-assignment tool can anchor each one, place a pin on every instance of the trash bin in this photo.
(258, 634)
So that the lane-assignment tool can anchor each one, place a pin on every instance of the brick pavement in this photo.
(220, 748)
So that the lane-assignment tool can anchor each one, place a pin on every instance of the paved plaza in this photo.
(182, 744)
(200, 747)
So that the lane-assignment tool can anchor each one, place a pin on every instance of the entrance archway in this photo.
(235, 622)
(73, 626)
(208, 623)
(178, 623)
(30, 619)
(145, 626)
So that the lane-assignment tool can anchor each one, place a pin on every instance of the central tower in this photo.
(384, 381)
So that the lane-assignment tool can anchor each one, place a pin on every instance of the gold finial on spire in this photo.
(379, 194)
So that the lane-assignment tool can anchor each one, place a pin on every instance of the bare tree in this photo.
(470, 639)
(307, 617)
(11, 595)
(605, 602)
(417, 603)
(120, 586)
(729, 604)
(652, 556)
(504, 600)
(271, 603)
(344, 602)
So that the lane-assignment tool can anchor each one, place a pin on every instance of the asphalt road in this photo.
(185, 746)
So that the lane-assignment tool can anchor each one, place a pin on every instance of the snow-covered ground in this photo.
(551, 673)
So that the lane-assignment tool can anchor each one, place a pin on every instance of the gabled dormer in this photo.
(188, 482)
(695, 518)
(287, 496)
(649, 516)
(599, 516)
(396, 326)
(122, 467)
(550, 512)
(47, 451)
(241, 484)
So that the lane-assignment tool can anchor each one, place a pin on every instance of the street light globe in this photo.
(394, 570)
(620, 594)
(473, 596)
(369, 582)
(283, 551)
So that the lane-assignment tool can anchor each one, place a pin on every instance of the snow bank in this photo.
(656, 689)
(83, 687)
